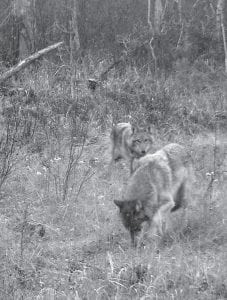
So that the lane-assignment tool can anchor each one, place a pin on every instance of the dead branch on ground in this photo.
(27, 61)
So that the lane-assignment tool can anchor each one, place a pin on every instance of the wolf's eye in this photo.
(137, 141)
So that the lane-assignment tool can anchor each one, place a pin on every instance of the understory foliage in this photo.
(43, 115)
(60, 233)
(188, 30)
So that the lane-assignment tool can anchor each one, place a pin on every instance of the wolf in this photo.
(159, 186)
(130, 142)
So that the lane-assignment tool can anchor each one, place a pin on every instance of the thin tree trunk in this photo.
(220, 27)
(219, 14)
(152, 36)
(15, 33)
(81, 22)
(158, 14)
(181, 21)
(76, 39)
(74, 46)
(224, 41)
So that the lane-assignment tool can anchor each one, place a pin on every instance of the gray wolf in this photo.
(130, 142)
(159, 186)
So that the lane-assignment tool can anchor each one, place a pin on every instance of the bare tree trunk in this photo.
(72, 60)
(152, 36)
(158, 13)
(219, 13)
(220, 27)
(76, 39)
(15, 33)
(81, 22)
(32, 26)
(224, 41)
(74, 45)
(180, 40)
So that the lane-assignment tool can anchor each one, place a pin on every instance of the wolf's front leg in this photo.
(142, 235)
(131, 161)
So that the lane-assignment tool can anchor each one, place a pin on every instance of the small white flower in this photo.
(38, 173)
(57, 158)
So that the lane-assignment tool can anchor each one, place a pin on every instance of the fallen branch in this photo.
(24, 63)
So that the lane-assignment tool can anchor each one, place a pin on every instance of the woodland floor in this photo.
(86, 253)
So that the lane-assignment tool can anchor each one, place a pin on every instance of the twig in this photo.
(85, 179)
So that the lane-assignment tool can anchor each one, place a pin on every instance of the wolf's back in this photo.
(161, 171)
(172, 155)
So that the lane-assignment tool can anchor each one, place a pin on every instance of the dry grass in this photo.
(85, 252)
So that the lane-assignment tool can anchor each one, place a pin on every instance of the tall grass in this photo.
(60, 184)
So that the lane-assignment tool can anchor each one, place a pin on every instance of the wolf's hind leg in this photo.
(161, 217)
(180, 197)
(181, 201)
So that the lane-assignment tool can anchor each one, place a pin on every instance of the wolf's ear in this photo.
(138, 205)
(119, 203)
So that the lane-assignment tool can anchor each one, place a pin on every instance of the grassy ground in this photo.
(86, 253)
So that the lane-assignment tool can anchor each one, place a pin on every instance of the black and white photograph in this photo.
(113, 149)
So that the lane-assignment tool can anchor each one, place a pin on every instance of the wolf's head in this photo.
(133, 215)
(141, 141)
